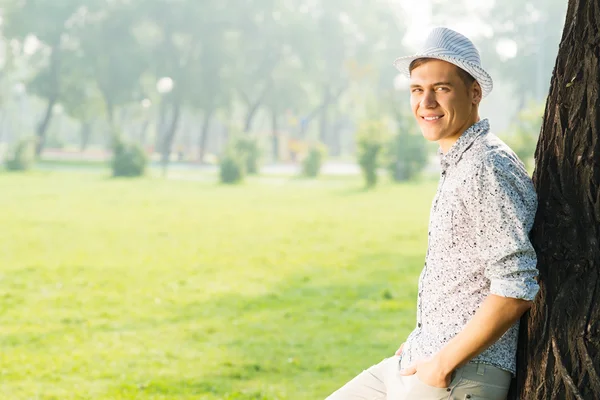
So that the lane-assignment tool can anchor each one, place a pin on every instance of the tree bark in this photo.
(253, 107)
(204, 135)
(324, 120)
(336, 134)
(275, 136)
(319, 109)
(2, 128)
(559, 351)
(170, 135)
(123, 122)
(52, 98)
(110, 117)
(43, 127)
(144, 132)
(160, 124)
(85, 132)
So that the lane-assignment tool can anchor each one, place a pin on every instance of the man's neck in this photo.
(447, 143)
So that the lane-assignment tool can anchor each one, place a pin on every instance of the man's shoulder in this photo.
(493, 162)
(492, 152)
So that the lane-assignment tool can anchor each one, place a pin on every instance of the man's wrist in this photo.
(444, 363)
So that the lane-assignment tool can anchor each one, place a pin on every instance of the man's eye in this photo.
(416, 90)
(442, 89)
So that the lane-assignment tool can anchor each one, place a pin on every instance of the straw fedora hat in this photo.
(450, 46)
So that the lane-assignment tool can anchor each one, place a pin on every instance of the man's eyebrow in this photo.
(416, 85)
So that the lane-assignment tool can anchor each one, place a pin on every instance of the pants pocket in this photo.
(421, 390)
(473, 390)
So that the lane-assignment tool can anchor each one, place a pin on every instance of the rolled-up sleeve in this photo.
(504, 209)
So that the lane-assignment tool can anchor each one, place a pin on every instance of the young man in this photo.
(480, 267)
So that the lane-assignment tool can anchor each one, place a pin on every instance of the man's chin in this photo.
(430, 136)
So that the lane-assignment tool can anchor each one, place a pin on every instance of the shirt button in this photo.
(419, 325)
(468, 396)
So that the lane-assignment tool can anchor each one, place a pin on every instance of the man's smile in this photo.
(432, 118)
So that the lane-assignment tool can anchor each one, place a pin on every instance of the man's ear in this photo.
(477, 93)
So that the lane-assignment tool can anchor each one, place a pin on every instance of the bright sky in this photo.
(419, 15)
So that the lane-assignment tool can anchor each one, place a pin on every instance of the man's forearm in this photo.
(493, 318)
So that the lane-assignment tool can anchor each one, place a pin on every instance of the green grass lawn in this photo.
(162, 289)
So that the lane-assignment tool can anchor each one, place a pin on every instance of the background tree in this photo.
(45, 27)
(519, 43)
(260, 44)
(168, 35)
(347, 43)
(115, 61)
(559, 356)
(80, 97)
(532, 30)
(277, 69)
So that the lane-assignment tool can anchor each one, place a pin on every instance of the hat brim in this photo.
(481, 76)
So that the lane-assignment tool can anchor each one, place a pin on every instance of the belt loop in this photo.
(481, 369)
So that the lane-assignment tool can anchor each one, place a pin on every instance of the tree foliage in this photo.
(297, 71)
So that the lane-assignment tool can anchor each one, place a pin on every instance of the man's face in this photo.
(442, 103)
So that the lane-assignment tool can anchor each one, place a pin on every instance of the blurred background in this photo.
(177, 286)
(183, 79)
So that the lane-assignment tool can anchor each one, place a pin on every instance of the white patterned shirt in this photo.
(479, 244)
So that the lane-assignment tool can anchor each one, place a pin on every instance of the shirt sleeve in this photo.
(505, 207)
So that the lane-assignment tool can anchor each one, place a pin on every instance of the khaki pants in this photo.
(384, 382)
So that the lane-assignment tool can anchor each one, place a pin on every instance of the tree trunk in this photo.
(275, 136)
(336, 134)
(253, 108)
(160, 124)
(328, 99)
(204, 135)
(324, 120)
(85, 133)
(170, 135)
(559, 352)
(2, 118)
(52, 98)
(110, 118)
(43, 127)
(144, 132)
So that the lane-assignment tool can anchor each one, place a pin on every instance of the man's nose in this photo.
(428, 100)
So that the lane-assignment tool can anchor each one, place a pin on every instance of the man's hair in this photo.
(464, 75)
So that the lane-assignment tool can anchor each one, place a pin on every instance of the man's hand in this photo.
(399, 351)
(430, 373)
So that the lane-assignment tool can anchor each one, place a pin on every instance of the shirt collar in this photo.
(463, 143)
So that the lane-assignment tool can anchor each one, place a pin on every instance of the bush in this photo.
(247, 147)
(407, 156)
(370, 141)
(22, 156)
(311, 165)
(232, 167)
(128, 160)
